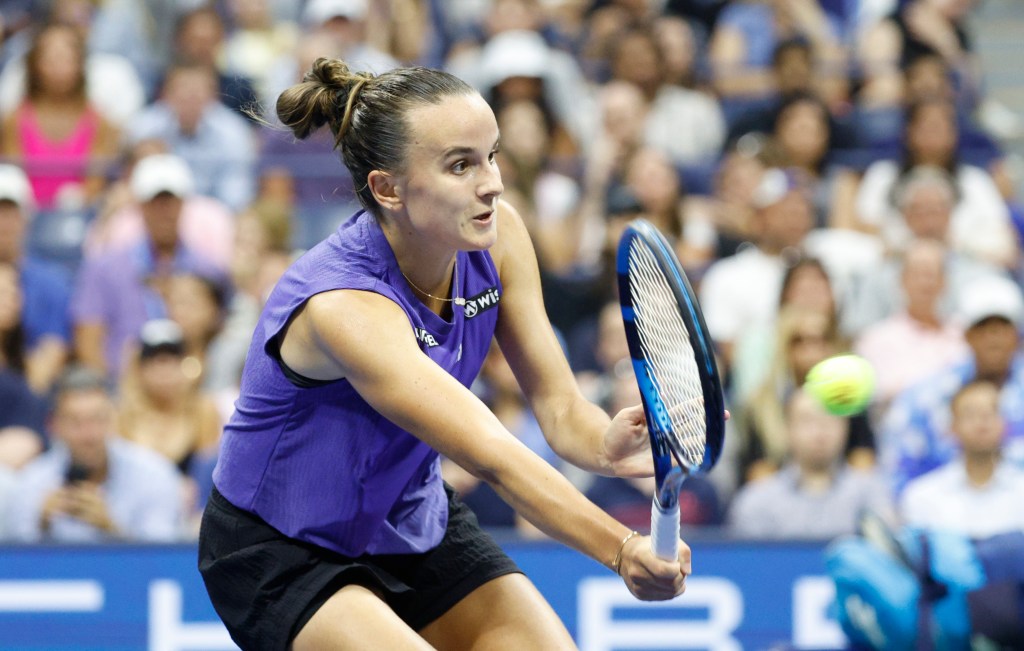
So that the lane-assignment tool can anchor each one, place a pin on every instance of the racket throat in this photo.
(667, 495)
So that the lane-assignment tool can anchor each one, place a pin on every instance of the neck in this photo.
(923, 314)
(980, 467)
(815, 480)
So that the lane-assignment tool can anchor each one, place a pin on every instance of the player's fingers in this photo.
(685, 559)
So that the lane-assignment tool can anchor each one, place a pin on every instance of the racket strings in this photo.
(665, 342)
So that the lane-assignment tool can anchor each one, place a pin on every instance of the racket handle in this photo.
(665, 531)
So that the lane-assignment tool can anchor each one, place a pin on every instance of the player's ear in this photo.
(385, 190)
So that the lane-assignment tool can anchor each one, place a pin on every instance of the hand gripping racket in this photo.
(674, 364)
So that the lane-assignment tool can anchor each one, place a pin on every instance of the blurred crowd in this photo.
(819, 166)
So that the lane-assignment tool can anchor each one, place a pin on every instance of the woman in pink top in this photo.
(60, 140)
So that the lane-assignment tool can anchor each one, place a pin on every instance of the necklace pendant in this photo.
(461, 302)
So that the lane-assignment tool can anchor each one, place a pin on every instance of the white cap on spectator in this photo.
(320, 11)
(161, 173)
(515, 53)
(991, 296)
(774, 185)
(14, 187)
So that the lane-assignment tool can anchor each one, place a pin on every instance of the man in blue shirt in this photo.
(915, 430)
(45, 286)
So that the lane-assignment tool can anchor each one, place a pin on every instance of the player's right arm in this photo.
(366, 338)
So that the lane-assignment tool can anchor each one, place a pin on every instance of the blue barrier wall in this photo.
(741, 597)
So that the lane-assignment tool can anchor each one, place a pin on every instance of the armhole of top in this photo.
(273, 349)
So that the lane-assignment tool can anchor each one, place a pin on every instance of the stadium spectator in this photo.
(161, 407)
(199, 40)
(744, 40)
(92, 486)
(117, 291)
(980, 225)
(925, 199)
(978, 492)
(217, 143)
(56, 134)
(23, 415)
(198, 304)
(112, 81)
(914, 434)
(806, 285)
(911, 345)
(255, 41)
(206, 224)
(685, 124)
(804, 337)
(44, 286)
(817, 494)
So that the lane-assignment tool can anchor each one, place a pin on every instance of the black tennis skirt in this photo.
(265, 586)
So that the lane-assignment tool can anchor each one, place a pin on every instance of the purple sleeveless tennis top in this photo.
(317, 462)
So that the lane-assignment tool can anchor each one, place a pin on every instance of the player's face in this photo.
(451, 184)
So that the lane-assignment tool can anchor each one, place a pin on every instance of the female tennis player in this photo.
(330, 526)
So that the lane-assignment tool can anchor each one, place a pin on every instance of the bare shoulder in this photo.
(331, 333)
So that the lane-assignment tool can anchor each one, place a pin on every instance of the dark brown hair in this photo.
(365, 112)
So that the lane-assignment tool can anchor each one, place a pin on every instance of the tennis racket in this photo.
(674, 364)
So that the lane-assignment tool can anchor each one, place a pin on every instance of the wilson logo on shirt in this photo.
(425, 337)
(482, 302)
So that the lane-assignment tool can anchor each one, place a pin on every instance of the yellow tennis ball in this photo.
(843, 384)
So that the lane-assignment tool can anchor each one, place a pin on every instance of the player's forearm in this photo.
(546, 499)
(576, 433)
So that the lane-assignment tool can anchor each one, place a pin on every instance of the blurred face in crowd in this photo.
(817, 438)
(623, 108)
(161, 215)
(809, 287)
(12, 231)
(785, 223)
(200, 38)
(928, 76)
(82, 419)
(188, 91)
(802, 132)
(636, 59)
(162, 378)
(193, 306)
(932, 134)
(977, 422)
(924, 275)
(927, 210)
(993, 341)
(806, 338)
(525, 133)
(675, 39)
(794, 70)
(56, 65)
(653, 180)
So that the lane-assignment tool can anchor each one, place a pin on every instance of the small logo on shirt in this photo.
(482, 302)
(425, 337)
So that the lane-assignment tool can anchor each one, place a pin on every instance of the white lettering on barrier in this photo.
(812, 625)
(599, 630)
(168, 633)
(51, 596)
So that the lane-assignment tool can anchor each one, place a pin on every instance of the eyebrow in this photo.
(463, 151)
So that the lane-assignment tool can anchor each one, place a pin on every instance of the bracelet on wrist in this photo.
(617, 562)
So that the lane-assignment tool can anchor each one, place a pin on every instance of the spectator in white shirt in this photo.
(978, 493)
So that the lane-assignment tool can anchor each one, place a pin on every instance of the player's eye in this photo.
(459, 167)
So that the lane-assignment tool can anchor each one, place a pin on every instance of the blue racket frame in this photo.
(664, 444)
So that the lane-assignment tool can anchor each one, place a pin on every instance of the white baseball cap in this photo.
(320, 11)
(14, 187)
(991, 296)
(514, 53)
(161, 173)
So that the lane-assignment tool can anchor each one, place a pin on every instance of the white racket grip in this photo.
(665, 531)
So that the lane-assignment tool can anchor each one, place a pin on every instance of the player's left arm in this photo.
(577, 430)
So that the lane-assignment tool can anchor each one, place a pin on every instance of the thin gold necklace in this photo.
(458, 300)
